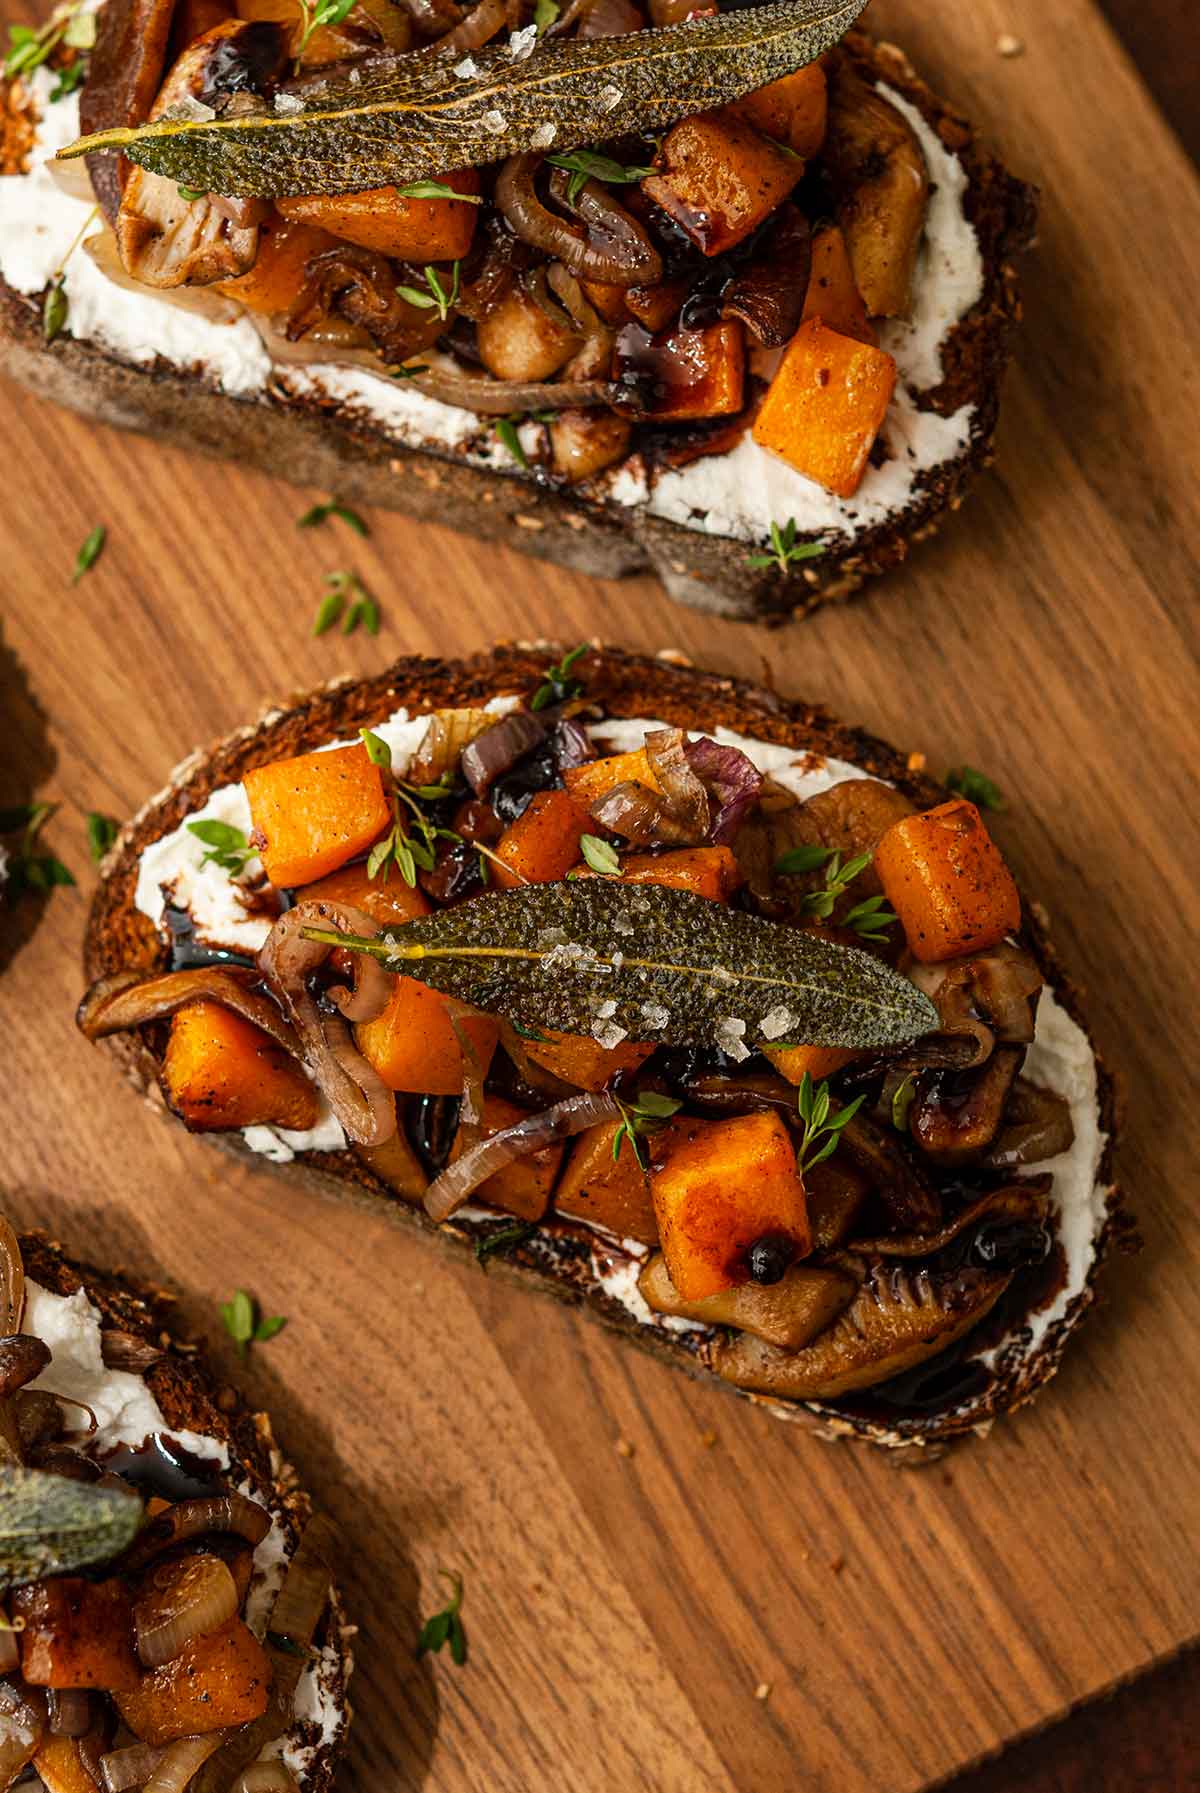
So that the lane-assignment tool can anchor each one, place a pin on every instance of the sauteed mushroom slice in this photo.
(1016, 1205)
(124, 72)
(166, 239)
(787, 1313)
(904, 1186)
(1037, 1126)
(898, 1319)
(957, 1114)
(882, 184)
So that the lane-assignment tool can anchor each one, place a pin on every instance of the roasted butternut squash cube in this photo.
(720, 179)
(793, 110)
(61, 1768)
(313, 813)
(832, 294)
(787, 1313)
(221, 1072)
(819, 1061)
(947, 881)
(77, 1634)
(219, 1679)
(608, 1192)
(413, 1045)
(523, 1187)
(683, 374)
(278, 275)
(711, 872)
(717, 1187)
(587, 784)
(825, 406)
(542, 845)
(384, 219)
(583, 1061)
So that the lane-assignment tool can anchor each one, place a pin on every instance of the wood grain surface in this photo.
(624, 1608)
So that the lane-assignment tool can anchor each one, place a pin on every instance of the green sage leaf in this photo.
(51, 1525)
(402, 118)
(663, 964)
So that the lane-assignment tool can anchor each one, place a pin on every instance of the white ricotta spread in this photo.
(736, 494)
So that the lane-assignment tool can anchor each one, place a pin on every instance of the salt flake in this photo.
(729, 1033)
(466, 69)
(608, 1034)
(609, 98)
(288, 104)
(521, 43)
(494, 122)
(776, 1022)
(543, 137)
(655, 1015)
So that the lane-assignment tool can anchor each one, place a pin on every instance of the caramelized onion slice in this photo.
(126, 1000)
(357, 1094)
(272, 1776)
(234, 1513)
(686, 797)
(122, 1769)
(12, 1280)
(306, 1586)
(459, 1181)
(181, 1760)
(496, 398)
(185, 1600)
(498, 748)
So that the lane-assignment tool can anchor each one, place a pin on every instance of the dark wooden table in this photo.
(1148, 1735)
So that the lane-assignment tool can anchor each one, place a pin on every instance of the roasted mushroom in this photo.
(957, 1114)
(788, 1313)
(898, 1319)
(882, 184)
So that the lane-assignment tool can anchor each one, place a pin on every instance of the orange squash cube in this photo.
(77, 1634)
(587, 784)
(278, 274)
(220, 1072)
(825, 406)
(717, 1187)
(383, 219)
(414, 1047)
(60, 1765)
(819, 1061)
(391, 902)
(524, 1186)
(607, 1192)
(220, 1678)
(656, 306)
(832, 294)
(711, 872)
(686, 373)
(793, 110)
(947, 881)
(583, 1061)
(720, 179)
(542, 845)
(313, 813)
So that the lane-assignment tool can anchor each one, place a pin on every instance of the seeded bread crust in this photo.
(326, 445)
(119, 937)
(182, 1383)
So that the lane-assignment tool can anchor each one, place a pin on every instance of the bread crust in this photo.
(119, 937)
(190, 1399)
(318, 443)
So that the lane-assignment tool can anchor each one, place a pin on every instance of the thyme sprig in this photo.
(324, 12)
(228, 846)
(346, 600)
(822, 1129)
(29, 868)
(785, 548)
(446, 1627)
(585, 165)
(869, 919)
(640, 1120)
(435, 294)
(559, 684)
(68, 26)
(246, 1324)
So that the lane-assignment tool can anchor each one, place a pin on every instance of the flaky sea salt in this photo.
(655, 1015)
(494, 122)
(466, 69)
(776, 1022)
(288, 104)
(189, 110)
(609, 98)
(543, 137)
(521, 44)
(608, 1034)
(729, 1034)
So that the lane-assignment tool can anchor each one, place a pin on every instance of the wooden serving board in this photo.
(624, 1608)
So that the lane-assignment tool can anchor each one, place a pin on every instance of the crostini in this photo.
(672, 997)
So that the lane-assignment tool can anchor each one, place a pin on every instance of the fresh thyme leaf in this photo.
(320, 513)
(411, 117)
(506, 430)
(822, 1130)
(436, 296)
(504, 1239)
(68, 79)
(558, 686)
(902, 1101)
(55, 310)
(803, 859)
(245, 1325)
(191, 194)
(28, 868)
(869, 919)
(52, 1524)
(586, 164)
(601, 855)
(346, 597)
(446, 1627)
(531, 1033)
(437, 190)
(102, 831)
(378, 751)
(408, 370)
(641, 1119)
(228, 847)
(838, 878)
(785, 548)
(89, 553)
(553, 955)
(976, 787)
(328, 612)
(324, 12)
(67, 25)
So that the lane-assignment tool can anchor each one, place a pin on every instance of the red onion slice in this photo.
(234, 1513)
(180, 1761)
(127, 999)
(497, 749)
(732, 781)
(459, 1181)
(686, 798)
(355, 1091)
(122, 1769)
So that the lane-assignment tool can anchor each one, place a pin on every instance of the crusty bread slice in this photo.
(119, 937)
(188, 1396)
(319, 444)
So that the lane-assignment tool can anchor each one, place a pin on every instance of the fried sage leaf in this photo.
(400, 117)
(591, 955)
(50, 1524)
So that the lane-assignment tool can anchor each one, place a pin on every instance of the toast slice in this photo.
(698, 527)
(1006, 1359)
(106, 1335)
